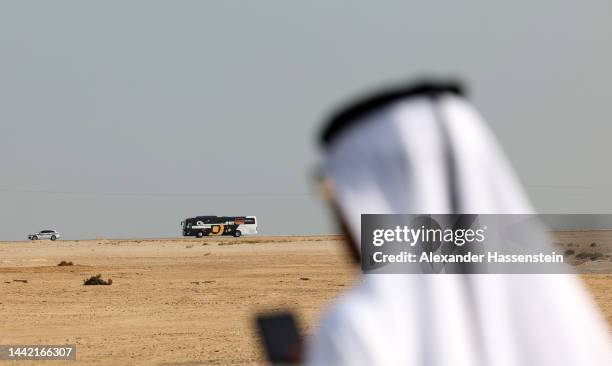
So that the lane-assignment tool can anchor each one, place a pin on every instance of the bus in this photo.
(236, 226)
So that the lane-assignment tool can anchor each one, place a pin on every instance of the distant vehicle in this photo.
(200, 226)
(45, 234)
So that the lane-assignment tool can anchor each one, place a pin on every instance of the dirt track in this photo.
(172, 302)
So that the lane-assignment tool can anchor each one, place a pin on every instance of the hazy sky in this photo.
(132, 115)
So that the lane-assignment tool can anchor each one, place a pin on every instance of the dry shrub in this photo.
(262, 240)
(590, 256)
(97, 280)
(64, 263)
(202, 282)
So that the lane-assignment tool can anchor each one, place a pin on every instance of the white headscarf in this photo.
(394, 159)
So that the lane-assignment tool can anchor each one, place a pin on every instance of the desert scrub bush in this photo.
(97, 280)
(591, 256)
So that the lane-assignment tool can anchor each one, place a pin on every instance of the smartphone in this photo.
(282, 341)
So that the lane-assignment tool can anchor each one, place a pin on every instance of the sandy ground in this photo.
(174, 302)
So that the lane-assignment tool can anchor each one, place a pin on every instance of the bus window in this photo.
(249, 220)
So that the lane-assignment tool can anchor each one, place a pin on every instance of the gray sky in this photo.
(129, 98)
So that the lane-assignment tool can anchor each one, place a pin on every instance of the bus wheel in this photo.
(237, 233)
(199, 234)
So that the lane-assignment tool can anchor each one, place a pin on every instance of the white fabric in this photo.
(394, 163)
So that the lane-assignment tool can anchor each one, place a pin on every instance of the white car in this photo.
(45, 234)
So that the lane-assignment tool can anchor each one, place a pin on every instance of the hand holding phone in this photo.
(281, 338)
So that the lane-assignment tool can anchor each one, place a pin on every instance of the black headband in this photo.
(350, 114)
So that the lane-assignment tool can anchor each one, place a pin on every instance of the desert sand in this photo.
(178, 301)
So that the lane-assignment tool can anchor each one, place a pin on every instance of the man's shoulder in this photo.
(354, 330)
(351, 306)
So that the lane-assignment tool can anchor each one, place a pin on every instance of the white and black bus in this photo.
(200, 226)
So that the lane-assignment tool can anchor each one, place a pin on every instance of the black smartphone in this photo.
(282, 341)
